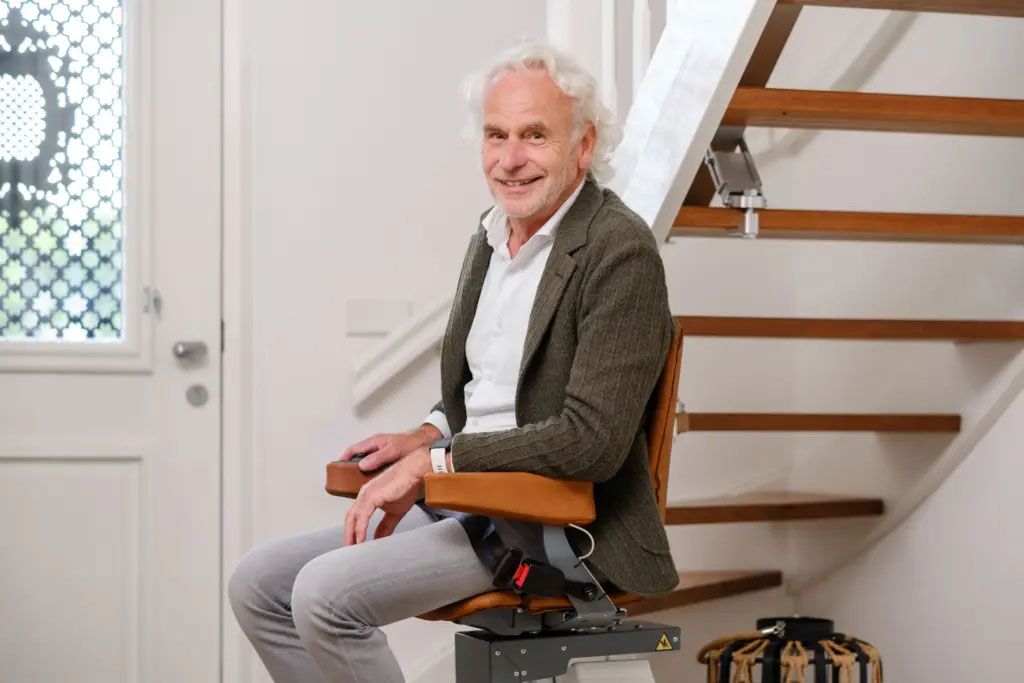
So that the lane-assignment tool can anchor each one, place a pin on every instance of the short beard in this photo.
(546, 200)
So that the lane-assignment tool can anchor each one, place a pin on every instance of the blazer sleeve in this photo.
(624, 331)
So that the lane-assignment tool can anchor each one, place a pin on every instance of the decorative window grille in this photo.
(61, 145)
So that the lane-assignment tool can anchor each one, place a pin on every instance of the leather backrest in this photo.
(661, 420)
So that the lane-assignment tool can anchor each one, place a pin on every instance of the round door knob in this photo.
(197, 395)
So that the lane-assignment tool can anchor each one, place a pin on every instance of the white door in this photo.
(109, 444)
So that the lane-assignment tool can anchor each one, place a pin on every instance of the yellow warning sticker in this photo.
(663, 643)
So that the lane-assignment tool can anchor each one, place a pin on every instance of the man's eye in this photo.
(536, 136)
(494, 135)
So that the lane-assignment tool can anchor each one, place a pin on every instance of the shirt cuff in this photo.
(438, 419)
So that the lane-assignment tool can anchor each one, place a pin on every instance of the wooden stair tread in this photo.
(817, 422)
(852, 328)
(701, 586)
(1001, 8)
(820, 109)
(705, 221)
(762, 506)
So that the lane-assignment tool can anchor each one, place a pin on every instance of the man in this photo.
(556, 338)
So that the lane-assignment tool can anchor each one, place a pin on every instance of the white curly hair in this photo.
(568, 75)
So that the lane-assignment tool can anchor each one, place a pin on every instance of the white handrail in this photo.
(400, 348)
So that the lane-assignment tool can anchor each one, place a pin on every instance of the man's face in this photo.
(529, 157)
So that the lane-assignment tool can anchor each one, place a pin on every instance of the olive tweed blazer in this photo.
(596, 343)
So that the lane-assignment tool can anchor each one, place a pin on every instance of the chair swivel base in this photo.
(484, 657)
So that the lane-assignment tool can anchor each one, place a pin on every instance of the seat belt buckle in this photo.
(507, 568)
(519, 578)
(518, 573)
(538, 578)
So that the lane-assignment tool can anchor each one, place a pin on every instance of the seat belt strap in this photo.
(514, 571)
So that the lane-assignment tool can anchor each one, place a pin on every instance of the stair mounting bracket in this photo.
(737, 181)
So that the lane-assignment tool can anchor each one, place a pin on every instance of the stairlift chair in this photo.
(523, 637)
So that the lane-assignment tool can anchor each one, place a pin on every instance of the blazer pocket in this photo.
(655, 542)
(644, 525)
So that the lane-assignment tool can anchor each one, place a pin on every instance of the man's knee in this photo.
(326, 598)
(254, 586)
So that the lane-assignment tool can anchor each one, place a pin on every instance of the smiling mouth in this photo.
(517, 183)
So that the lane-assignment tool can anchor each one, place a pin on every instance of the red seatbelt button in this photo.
(520, 576)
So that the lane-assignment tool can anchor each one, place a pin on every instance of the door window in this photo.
(61, 154)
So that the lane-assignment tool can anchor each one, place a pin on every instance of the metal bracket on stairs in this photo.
(736, 179)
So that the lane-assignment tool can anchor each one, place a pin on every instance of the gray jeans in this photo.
(312, 608)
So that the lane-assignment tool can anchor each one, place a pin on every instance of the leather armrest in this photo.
(345, 478)
(516, 495)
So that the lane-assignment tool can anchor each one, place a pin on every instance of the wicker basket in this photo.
(791, 650)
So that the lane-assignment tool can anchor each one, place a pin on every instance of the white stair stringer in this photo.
(684, 94)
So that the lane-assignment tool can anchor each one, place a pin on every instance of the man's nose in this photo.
(513, 155)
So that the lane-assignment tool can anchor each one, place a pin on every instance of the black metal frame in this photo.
(483, 657)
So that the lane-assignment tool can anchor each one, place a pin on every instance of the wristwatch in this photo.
(439, 451)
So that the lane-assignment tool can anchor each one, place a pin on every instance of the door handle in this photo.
(189, 349)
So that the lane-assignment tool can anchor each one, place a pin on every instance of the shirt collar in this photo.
(496, 220)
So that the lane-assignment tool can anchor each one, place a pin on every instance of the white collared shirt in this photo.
(494, 347)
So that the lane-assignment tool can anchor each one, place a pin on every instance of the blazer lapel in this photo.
(570, 236)
(549, 293)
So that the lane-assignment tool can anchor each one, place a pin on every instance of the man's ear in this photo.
(587, 144)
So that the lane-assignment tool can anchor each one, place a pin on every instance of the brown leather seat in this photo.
(550, 501)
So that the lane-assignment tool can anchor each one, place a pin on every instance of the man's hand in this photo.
(385, 449)
(394, 491)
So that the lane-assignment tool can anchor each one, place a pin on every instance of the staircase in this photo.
(755, 105)
(728, 72)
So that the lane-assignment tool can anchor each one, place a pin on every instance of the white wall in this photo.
(941, 596)
(361, 189)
